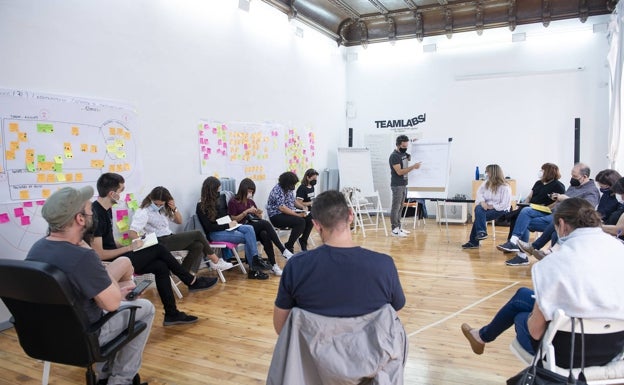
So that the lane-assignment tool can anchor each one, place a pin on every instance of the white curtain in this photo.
(615, 68)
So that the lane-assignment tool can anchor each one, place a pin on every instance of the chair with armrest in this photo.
(604, 348)
(50, 324)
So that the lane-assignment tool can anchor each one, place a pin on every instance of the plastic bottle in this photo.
(477, 173)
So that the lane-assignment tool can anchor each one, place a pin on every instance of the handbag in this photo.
(537, 375)
(252, 217)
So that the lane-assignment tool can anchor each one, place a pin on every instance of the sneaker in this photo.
(276, 270)
(539, 254)
(220, 265)
(179, 319)
(257, 274)
(508, 247)
(398, 233)
(202, 283)
(260, 264)
(526, 247)
(304, 245)
(469, 245)
(517, 261)
(287, 254)
(407, 232)
(481, 235)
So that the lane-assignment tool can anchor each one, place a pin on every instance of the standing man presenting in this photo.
(399, 168)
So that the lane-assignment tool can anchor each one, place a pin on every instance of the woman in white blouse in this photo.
(156, 211)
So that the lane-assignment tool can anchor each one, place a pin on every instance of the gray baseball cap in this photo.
(63, 205)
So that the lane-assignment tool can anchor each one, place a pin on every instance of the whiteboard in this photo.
(431, 179)
(355, 170)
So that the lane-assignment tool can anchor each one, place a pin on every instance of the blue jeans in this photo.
(515, 312)
(548, 234)
(482, 216)
(243, 234)
(530, 220)
(399, 193)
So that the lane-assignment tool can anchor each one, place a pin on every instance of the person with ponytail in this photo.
(582, 278)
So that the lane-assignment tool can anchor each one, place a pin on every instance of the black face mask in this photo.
(575, 182)
(312, 182)
(402, 150)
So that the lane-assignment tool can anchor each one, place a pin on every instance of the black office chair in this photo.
(49, 323)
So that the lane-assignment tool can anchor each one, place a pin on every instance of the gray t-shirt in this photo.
(402, 159)
(81, 265)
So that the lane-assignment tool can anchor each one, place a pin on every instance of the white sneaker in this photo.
(276, 270)
(220, 265)
(406, 232)
(287, 254)
(398, 233)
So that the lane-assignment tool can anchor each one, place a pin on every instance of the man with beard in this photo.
(69, 215)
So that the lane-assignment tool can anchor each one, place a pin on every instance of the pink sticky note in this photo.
(209, 150)
(214, 130)
(25, 220)
(40, 203)
(219, 142)
(28, 204)
(126, 236)
(245, 146)
(206, 156)
(121, 214)
(18, 212)
(4, 218)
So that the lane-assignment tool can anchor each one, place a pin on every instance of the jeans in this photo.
(193, 241)
(299, 227)
(242, 234)
(122, 367)
(159, 261)
(530, 220)
(399, 193)
(515, 312)
(482, 216)
(548, 234)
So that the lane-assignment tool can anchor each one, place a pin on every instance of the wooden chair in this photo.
(50, 323)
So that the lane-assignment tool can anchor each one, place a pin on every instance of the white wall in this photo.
(178, 61)
(508, 103)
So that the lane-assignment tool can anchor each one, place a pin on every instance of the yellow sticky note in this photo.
(110, 148)
(24, 194)
(75, 131)
(119, 143)
(69, 155)
(45, 193)
(41, 178)
(58, 159)
(78, 177)
(13, 127)
(123, 225)
(60, 177)
(30, 152)
(121, 155)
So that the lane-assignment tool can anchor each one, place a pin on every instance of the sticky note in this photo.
(69, 177)
(22, 136)
(111, 168)
(121, 155)
(58, 159)
(127, 136)
(13, 127)
(45, 128)
(45, 193)
(57, 167)
(111, 148)
(28, 204)
(94, 148)
(60, 177)
(41, 158)
(123, 225)
(10, 155)
(25, 220)
(134, 205)
(24, 194)
(84, 147)
(111, 131)
(18, 211)
(50, 178)
(30, 167)
(40, 203)
(14, 146)
(4, 218)
(78, 177)
(121, 214)
(75, 131)
(118, 167)
(120, 131)
(126, 166)
(69, 155)
(120, 143)
(67, 146)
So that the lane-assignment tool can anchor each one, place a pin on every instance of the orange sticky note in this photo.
(22, 136)
(78, 177)
(24, 194)
(45, 193)
(111, 131)
(75, 131)
(120, 131)
(69, 177)
(41, 178)
(10, 155)
(126, 166)
(13, 127)
(118, 167)
(84, 147)
(67, 146)
(93, 148)
(50, 178)
(111, 168)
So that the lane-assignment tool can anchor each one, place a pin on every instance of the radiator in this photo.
(228, 184)
(329, 180)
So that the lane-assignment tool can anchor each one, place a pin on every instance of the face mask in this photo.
(575, 182)
(605, 190)
(155, 207)
(249, 195)
(115, 200)
(619, 198)
(402, 150)
(313, 182)
(540, 174)
(486, 176)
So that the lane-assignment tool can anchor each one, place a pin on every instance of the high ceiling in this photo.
(360, 22)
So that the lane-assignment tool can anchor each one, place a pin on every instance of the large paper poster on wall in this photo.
(51, 141)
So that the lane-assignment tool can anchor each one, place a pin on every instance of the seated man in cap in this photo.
(69, 215)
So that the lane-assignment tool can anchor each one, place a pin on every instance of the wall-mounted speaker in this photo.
(350, 137)
(577, 140)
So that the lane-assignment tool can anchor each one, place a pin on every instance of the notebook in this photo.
(148, 241)
(224, 220)
(542, 208)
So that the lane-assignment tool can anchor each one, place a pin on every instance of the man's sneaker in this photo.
(287, 254)
(405, 231)
(178, 319)
(517, 261)
(276, 270)
(526, 247)
(260, 264)
(481, 235)
(469, 245)
(202, 283)
(220, 265)
(398, 233)
(257, 274)
(508, 247)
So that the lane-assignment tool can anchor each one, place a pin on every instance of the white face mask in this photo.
(619, 198)
(249, 195)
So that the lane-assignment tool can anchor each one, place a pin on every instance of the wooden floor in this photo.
(233, 341)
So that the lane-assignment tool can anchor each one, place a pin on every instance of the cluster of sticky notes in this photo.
(119, 167)
(23, 218)
(123, 223)
(67, 150)
(97, 163)
(131, 202)
(120, 132)
(204, 144)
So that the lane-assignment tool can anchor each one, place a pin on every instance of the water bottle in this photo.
(477, 173)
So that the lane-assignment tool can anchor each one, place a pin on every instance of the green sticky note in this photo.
(41, 158)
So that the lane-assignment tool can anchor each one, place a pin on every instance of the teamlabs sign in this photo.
(401, 123)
